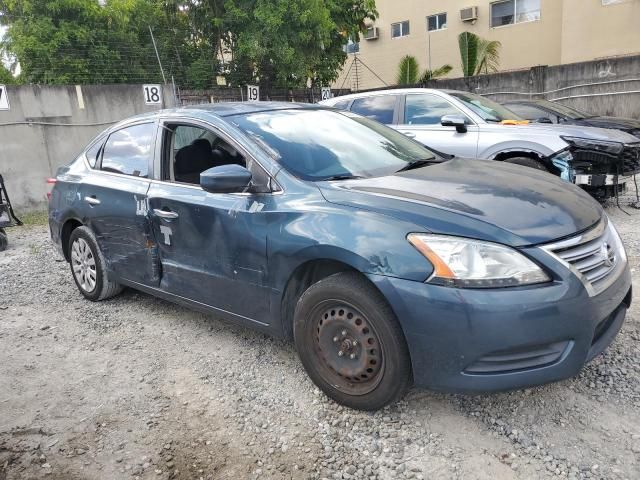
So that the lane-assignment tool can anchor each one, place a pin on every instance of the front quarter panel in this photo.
(495, 139)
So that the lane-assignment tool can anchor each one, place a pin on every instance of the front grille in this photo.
(594, 256)
(631, 159)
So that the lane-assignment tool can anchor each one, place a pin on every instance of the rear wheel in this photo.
(350, 342)
(4, 240)
(88, 266)
(528, 162)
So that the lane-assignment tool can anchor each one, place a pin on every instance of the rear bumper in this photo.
(485, 340)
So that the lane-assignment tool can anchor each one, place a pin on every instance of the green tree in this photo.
(435, 73)
(5, 76)
(408, 71)
(478, 55)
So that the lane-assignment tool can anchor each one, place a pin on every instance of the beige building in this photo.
(532, 32)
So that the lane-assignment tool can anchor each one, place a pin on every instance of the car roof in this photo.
(392, 91)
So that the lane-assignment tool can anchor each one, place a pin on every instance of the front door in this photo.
(114, 196)
(212, 246)
(420, 119)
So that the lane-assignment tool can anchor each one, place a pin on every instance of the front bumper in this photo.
(464, 340)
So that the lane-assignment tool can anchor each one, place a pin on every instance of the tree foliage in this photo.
(270, 42)
(409, 72)
(435, 73)
(478, 55)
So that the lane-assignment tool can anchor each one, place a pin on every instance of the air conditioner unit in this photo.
(371, 33)
(469, 14)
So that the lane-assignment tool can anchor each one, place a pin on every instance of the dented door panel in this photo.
(212, 247)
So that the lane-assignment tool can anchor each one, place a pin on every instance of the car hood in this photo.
(626, 124)
(572, 131)
(481, 199)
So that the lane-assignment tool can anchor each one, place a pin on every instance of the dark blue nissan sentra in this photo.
(386, 264)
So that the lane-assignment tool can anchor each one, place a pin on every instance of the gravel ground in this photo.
(136, 387)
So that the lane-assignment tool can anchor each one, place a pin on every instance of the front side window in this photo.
(437, 22)
(507, 12)
(426, 109)
(400, 29)
(324, 144)
(379, 108)
(128, 151)
(192, 150)
(486, 109)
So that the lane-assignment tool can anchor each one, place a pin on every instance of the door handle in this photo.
(409, 134)
(169, 215)
(92, 200)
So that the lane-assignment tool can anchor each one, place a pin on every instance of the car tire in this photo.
(528, 162)
(345, 313)
(4, 240)
(88, 266)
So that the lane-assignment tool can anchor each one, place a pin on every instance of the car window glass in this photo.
(379, 108)
(128, 151)
(325, 144)
(486, 109)
(194, 150)
(529, 112)
(341, 105)
(93, 152)
(427, 110)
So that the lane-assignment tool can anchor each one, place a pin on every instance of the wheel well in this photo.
(506, 155)
(302, 278)
(68, 227)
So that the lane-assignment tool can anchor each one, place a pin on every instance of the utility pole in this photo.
(164, 79)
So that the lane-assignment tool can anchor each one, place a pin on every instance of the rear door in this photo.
(420, 118)
(114, 195)
(212, 246)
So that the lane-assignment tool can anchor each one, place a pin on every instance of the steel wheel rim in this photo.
(348, 347)
(83, 265)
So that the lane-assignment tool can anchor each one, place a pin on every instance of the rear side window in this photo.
(378, 108)
(427, 110)
(128, 151)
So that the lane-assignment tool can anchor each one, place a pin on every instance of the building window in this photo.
(400, 29)
(507, 12)
(351, 47)
(437, 22)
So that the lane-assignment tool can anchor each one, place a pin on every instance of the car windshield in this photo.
(566, 111)
(318, 144)
(489, 110)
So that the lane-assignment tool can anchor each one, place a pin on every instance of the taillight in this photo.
(52, 182)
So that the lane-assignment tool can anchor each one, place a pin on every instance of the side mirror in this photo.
(225, 179)
(454, 121)
(543, 120)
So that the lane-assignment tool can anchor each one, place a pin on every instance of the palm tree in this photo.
(407, 71)
(433, 74)
(478, 55)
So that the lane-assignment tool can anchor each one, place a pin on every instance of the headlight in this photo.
(462, 262)
(613, 148)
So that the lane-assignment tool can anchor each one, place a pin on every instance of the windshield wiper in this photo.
(342, 176)
(415, 164)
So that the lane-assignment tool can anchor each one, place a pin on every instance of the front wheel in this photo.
(350, 342)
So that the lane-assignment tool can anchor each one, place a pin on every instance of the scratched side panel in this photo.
(215, 251)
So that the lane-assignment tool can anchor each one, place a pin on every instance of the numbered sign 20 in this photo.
(326, 93)
(4, 99)
(253, 93)
(152, 94)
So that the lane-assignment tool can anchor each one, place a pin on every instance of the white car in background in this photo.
(463, 124)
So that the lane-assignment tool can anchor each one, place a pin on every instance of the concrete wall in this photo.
(601, 87)
(60, 121)
(567, 31)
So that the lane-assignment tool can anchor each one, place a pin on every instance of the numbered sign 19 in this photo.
(326, 93)
(152, 94)
(4, 98)
(253, 93)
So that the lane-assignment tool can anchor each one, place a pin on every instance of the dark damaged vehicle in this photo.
(386, 264)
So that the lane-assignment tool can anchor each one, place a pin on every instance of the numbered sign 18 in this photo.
(152, 94)
(253, 93)
(326, 93)
(4, 98)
